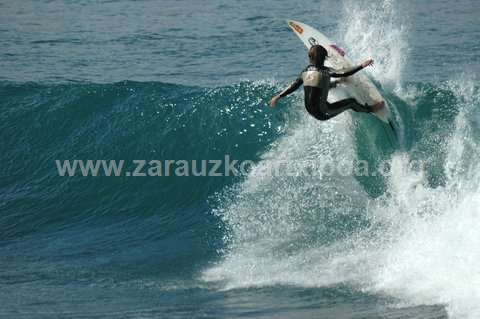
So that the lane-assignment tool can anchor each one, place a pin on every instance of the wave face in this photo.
(411, 235)
(85, 216)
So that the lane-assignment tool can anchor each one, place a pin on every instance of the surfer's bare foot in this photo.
(377, 106)
(370, 108)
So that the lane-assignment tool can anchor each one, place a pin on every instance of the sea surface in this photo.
(191, 80)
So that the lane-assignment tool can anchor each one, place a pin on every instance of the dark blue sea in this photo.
(191, 80)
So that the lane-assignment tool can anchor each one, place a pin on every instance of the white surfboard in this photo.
(357, 86)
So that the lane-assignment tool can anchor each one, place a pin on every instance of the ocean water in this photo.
(185, 80)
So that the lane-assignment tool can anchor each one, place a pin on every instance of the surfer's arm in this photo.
(290, 89)
(352, 70)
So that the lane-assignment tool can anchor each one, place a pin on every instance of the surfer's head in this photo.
(317, 54)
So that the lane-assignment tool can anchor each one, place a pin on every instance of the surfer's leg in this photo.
(319, 115)
(333, 109)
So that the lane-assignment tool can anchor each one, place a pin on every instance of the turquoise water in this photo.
(178, 80)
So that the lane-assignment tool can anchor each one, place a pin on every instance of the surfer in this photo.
(316, 81)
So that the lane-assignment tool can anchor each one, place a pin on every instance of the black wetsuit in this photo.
(316, 82)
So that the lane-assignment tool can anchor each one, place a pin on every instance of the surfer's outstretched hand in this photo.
(274, 100)
(367, 63)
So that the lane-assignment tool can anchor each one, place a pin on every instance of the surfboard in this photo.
(358, 85)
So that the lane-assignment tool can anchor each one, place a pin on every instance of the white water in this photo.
(431, 247)
(417, 243)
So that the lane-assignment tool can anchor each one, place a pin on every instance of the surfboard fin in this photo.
(393, 127)
(390, 123)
